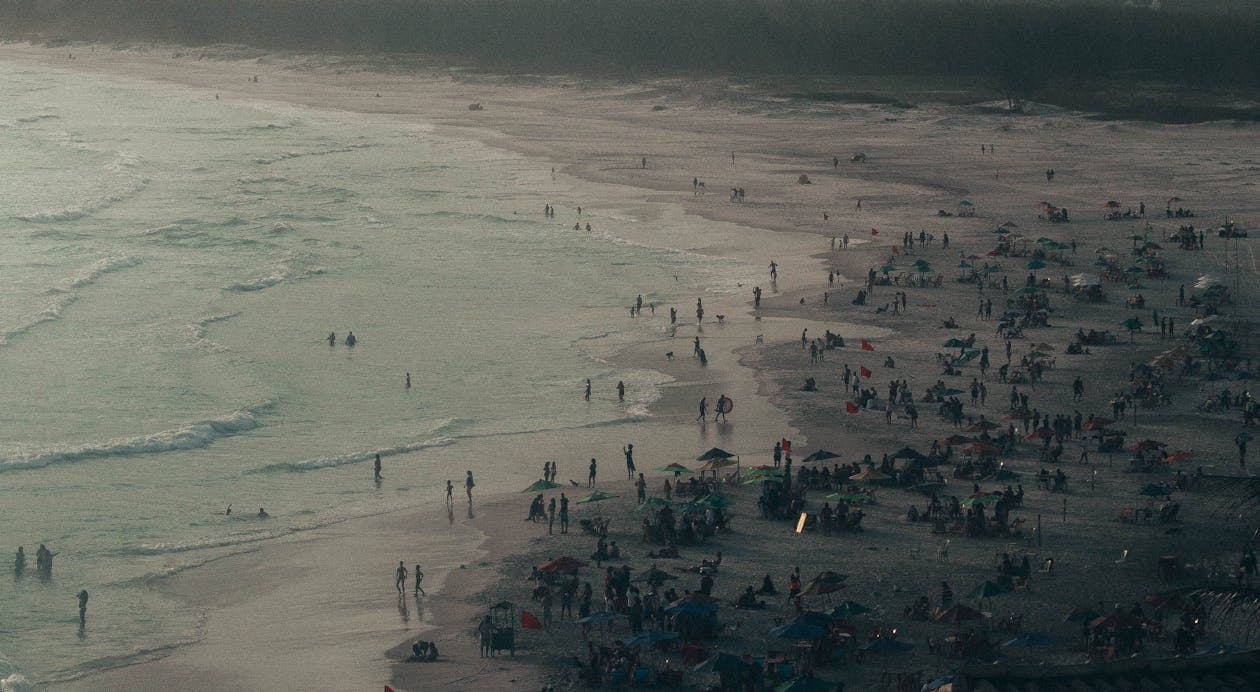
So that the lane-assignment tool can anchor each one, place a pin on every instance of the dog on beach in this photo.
(669, 355)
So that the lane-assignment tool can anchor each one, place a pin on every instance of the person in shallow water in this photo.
(350, 340)
(262, 513)
(332, 338)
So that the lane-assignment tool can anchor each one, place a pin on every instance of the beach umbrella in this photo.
(1097, 423)
(885, 645)
(848, 609)
(691, 608)
(888, 268)
(674, 468)
(869, 474)
(604, 616)
(597, 496)
(1136, 287)
(1102, 263)
(721, 662)
(715, 453)
(649, 637)
(1178, 455)
(981, 499)
(965, 203)
(982, 425)
(1208, 281)
(1027, 290)
(561, 564)
(955, 440)
(820, 455)
(959, 613)
(1080, 614)
(797, 630)
(851, 497)
(1132, 323)
(1145, 445)
(1111, 204)
(540, 484)
(1039, 434)
(654, 575)
(1043, 346)
(1034, 264)
(987, 589)
(1174, 200)
(1038, 354)
(938, 683)
(929, 487)
(821, 588)
(968, 355)
(1029, 640)
(805, 683)
(815, 618)
(954, 343)
(714, 464)
(653, 503)
(909, 453)
(1155, 490)
(715, 501)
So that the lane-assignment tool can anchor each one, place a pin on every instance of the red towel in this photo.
(866, 345)
(864, 371)
(850, 407)
(529, 622)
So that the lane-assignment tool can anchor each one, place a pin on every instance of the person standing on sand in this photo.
(590, 477)
(83, 600)
(377, 467)
(485, 631)
(621, 390)
(450, 491)
(628, 450)
(704, 409)
(551, 516)
(419, 575)
(468, 486)
(564, 513)
(1241, 440)
(400, 578)
(332, 339)
(587, 395)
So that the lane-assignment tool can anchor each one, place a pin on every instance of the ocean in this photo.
(173, 264)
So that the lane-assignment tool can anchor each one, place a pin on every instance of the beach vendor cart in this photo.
(503, 619)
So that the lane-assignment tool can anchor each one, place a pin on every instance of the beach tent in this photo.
(597, 496)
(820, 455)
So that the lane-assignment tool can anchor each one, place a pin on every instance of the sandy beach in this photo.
(318, 611)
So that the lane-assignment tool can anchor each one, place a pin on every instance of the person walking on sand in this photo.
(377, 467)
(551, 516)
(621, 390)
(590, 477)
(1241, 440)
(704, 409)
(468, 486)
(400, 578)
(587, 395)
(721, 409)
(450, 491)
(419, 590)
(408, 380)
(628, 450)
(564, 513)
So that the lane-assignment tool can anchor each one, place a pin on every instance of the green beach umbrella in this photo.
(1132, 323)
(981, 500)
(851, 497)
(653, 503)
(954, 343)
(848, 609)
(715, 501)
(965, 265)
(674, 468)
(540, 484)
(968, 355)
(888, 268)
(1039, 354)
(1034, 264)
(966, 203)
(596, 497)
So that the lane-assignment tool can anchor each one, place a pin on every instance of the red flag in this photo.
(874, 231)
(864, 371)
(787, 445)
(529, 622)
(850, 407)
(866, 345)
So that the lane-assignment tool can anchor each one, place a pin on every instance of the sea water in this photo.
(172, 265)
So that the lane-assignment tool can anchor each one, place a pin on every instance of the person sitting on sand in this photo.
(423, 651)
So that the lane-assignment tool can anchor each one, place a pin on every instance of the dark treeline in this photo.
(1019, 46)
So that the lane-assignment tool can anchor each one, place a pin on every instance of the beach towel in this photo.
(850, 407)
(866, 345)
(529, 622)
(865, 372)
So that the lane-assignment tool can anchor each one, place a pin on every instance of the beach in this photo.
(317, 609)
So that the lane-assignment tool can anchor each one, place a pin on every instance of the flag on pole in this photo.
(865, 372)
(850, 407)
(787, 445)
(866, 345)
(529, 622)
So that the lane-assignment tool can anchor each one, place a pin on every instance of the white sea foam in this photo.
(122, 184)
(194, 435)
(62, 296)
(15, 683)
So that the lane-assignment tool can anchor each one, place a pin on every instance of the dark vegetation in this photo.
(1017, 48)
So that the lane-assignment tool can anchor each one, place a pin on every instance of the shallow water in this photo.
(173, 265)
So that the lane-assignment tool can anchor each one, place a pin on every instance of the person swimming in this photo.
(332, 338)
(350, 340)
(262, 514)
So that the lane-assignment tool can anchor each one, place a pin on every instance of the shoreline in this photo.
(917, 165)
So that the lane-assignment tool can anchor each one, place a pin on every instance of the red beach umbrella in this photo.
(982, 425)
(1097, 424)
(561, 564)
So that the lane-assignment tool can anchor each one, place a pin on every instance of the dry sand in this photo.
(919, 160)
